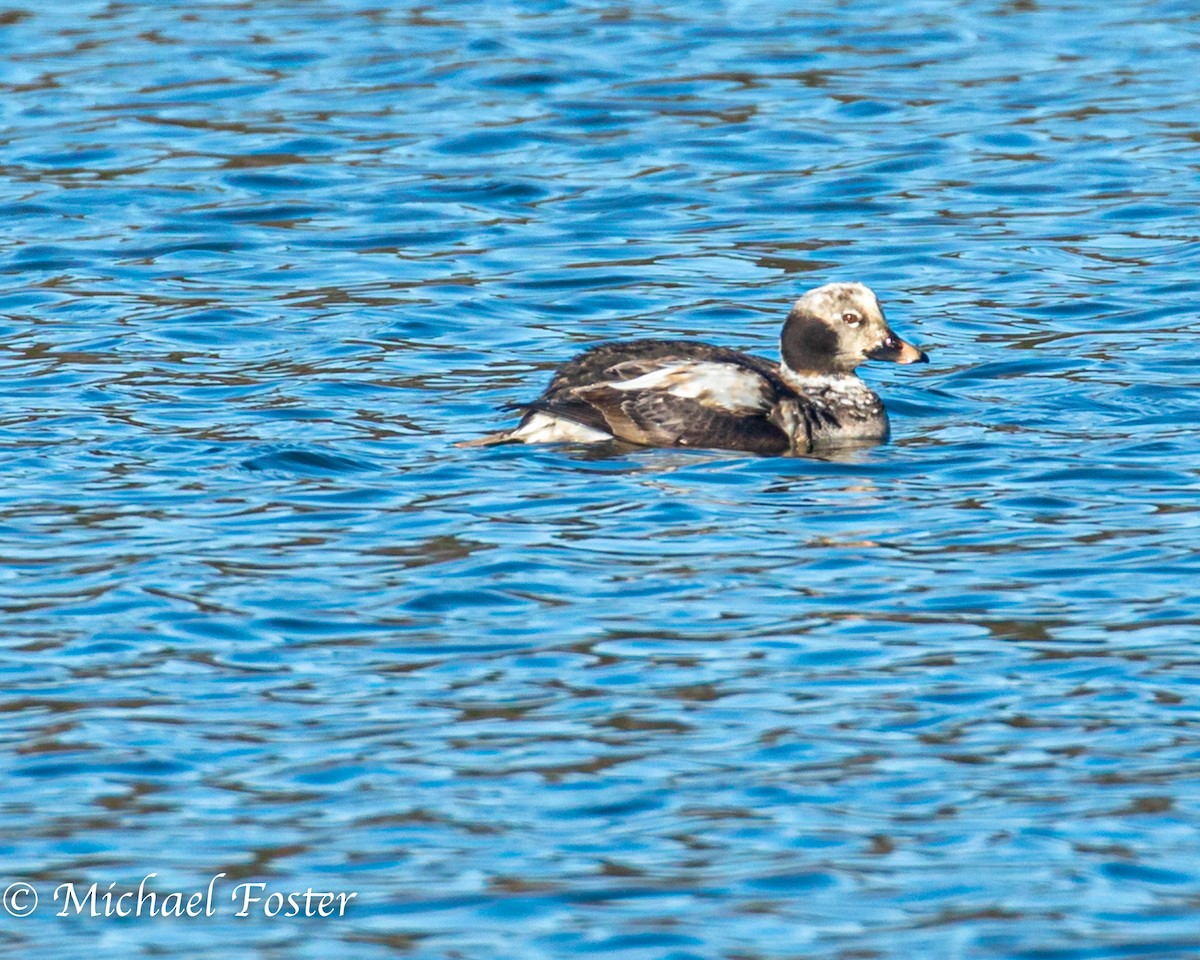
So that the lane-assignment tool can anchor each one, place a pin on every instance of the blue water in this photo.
(265, 262)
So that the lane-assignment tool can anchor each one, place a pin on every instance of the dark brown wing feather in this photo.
(660, 419)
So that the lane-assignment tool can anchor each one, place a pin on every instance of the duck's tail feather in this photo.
(489, 440)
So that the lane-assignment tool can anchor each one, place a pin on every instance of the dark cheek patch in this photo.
(807, 341)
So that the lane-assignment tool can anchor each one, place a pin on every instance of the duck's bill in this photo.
(898, 351)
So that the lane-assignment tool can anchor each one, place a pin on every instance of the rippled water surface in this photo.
(265, 262)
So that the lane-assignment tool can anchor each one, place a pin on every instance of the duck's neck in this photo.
(806, 380)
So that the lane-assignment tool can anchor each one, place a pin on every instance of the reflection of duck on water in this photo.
(685, 393)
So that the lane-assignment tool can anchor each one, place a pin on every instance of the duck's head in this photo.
(834, 328)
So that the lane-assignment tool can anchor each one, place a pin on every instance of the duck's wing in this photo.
(671, 401)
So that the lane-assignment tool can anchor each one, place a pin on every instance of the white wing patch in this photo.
(722, 385)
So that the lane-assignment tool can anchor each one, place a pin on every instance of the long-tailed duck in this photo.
(685, 393)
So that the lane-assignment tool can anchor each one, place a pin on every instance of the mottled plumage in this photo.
(686, 393)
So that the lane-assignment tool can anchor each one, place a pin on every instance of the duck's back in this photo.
(592, 366)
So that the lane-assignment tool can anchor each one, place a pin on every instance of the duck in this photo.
(688, 393)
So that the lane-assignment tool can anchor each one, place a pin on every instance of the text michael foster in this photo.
(248, 898)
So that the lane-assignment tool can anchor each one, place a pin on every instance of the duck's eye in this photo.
(851, 318)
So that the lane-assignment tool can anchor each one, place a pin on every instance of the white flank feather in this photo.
(543, 428)
(714, 384)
